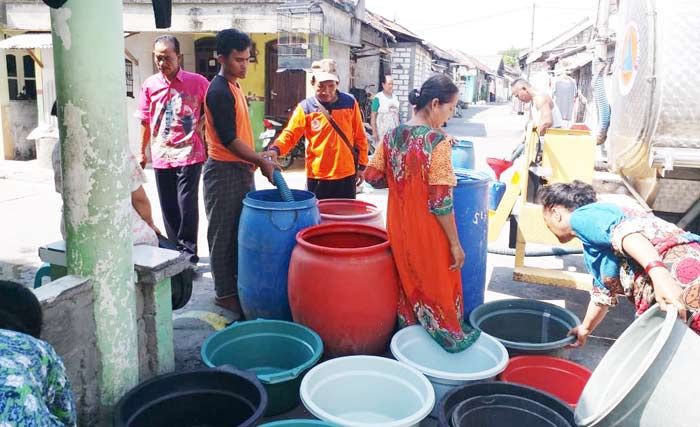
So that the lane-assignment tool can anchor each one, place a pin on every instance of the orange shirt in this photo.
(327, 156)
(227, 118)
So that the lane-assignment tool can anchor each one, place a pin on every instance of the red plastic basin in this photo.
(350, 210)
(559, 377)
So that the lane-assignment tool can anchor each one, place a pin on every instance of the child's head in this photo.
(20, 310)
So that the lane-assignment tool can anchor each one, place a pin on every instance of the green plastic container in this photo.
(298, 423)
(278, 352)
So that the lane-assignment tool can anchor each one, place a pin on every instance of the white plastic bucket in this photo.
(485, 359)
(367, 391)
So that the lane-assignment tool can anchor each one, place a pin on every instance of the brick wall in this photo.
(401, 66)
(423, 67)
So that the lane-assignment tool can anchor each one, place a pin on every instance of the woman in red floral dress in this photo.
(414, 161)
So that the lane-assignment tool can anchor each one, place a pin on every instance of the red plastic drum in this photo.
(343, 284)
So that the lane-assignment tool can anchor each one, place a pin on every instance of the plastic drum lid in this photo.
(470, 175)
(504, 409)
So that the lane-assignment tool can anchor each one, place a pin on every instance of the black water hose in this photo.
(550, 251)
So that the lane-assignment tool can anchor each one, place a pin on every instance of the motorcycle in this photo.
(272, 130)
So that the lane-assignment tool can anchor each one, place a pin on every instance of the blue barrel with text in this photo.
(471, 214)
(496, 191)
(266, 237)
(463, 155)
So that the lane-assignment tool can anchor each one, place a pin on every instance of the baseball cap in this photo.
(325, 70)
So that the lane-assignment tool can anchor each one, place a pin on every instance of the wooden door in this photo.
(284, 90)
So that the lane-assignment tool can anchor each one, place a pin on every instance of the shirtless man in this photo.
(544, 112)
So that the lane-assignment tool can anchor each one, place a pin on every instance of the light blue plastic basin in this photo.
(364, 391)
(485, 359)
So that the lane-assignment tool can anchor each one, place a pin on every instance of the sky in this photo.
(484, 27)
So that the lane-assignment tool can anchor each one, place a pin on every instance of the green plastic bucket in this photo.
(278, 352)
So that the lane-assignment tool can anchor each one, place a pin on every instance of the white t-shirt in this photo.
(387, 109)
(141, 232)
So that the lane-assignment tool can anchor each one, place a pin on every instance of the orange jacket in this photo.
(327, 156)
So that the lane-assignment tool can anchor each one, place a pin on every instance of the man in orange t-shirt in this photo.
(334, 167)
(228, 172)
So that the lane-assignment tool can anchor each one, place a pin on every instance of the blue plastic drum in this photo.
(471, 197)
(463, 155)
(266, 236)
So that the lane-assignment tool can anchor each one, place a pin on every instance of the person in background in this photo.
(336, 154)
(34, 388)
(170, 110)
(385, 110)
(143, 229)
(228, 172)
(544, 113)
(628, 252)
(415, 162)
(564, 96)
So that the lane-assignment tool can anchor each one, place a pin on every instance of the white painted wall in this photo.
(46, 88)
(23, 119)
(367, 73)
(341, 54)
(248, 17)
(341, 26)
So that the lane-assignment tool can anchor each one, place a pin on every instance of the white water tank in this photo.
(656, 87)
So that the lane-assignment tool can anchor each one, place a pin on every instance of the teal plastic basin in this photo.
(278, 352)
(298, 423)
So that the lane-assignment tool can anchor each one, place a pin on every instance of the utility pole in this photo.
(88, 49)
(602, 35)
(532, 39)
(532, 33)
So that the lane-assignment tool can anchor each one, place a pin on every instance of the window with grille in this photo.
(129, 78)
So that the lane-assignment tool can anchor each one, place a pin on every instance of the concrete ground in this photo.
(30, 214)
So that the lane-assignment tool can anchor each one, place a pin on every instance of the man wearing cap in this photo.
(336, 153)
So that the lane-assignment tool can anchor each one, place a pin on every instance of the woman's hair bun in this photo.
(413, 97)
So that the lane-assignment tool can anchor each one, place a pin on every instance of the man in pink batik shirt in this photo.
(171, 113)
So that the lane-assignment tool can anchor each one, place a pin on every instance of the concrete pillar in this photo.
(7, 145)
(88, 46)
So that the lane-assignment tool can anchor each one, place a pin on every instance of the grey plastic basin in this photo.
(648, 378)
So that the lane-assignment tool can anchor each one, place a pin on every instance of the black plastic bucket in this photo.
(505, 410)
(163, 11)
(478, 395)
(203, 397)
(526, 326)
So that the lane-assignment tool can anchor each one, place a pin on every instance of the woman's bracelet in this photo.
(652, 265)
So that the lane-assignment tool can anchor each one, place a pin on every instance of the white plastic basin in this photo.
(364, 391)
(648, 378)
(485, 359)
